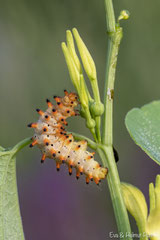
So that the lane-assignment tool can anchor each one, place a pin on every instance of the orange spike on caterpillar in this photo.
(58, 166)
(66, 92)
(87, 180)
(80, 169)
(32, 125)
(33, 143)
(97, 180)
(43, 158)
(40, 112)
(55, 143)
(70, 170)
(77, 174)
(50, 105)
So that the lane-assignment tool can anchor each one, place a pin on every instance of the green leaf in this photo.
(10, 218)
(144, 127)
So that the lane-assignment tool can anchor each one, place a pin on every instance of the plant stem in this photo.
(21, 145)
(110, 18)
(106, 149)
(98, 127)
(113, 46)
(107, 156)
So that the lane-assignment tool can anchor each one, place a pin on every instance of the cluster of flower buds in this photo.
(91, 108)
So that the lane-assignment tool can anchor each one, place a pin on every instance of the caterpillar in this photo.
(55, 143)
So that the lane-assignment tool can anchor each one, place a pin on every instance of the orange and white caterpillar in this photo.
(50, 136)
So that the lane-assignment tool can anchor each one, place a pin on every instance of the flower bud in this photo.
(73, 71)
(82, 112)
(90, 123)
(87, 60)
(135, 203)
(153, 221)
(82, 92)
(71, 48)
(97, 109)
(124, 14)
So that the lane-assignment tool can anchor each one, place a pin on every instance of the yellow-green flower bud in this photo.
(136, 204)
(97, 109)
(153, 221)
(73, 71)
(152, 197)
(124, 14)
(87, 60)
(71, 48)
(90, 123)
(82, 112)
(82, 92)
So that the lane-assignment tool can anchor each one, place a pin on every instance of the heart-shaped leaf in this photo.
(144, 127)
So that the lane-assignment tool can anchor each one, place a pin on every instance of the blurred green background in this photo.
(32, 68)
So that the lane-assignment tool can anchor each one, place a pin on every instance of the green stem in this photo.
(21, 145)
(113, 47)
(106, 149)
(110, 18)
(98, 128)
(107, 156)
